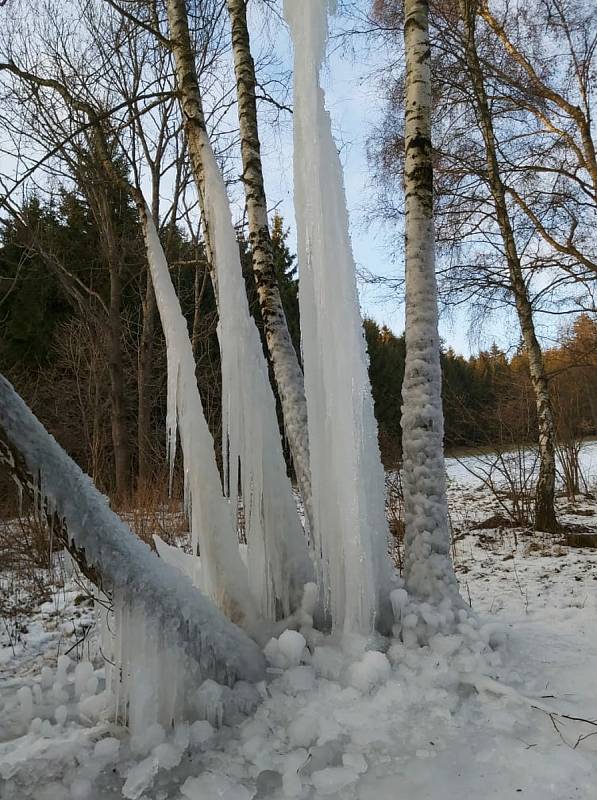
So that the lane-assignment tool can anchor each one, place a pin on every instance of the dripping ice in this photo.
(347, 475)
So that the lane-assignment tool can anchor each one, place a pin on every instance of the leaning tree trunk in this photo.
(117, 391)
(545, 517)
(286, 369)
(285, 364)
(113, 557)
(428, 566)
(144, 388)
(96, 187)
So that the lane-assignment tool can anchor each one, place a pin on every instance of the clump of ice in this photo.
(83, 676)
(140, 778)
(210, 702)
(25, 698)
(107, 749)
(201, 732)
(292, 645)
(372, 670)
(214, 785)
(332, 780)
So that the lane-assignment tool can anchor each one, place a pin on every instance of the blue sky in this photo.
(355, 105)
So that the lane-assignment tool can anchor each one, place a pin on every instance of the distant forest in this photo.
(72, 342)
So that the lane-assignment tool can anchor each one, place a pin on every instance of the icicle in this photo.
(278, 560)
(347, 475)
(213, 520)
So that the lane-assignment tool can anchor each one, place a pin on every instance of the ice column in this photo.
(347, 475)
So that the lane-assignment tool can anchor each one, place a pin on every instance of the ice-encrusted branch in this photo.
(127, 566)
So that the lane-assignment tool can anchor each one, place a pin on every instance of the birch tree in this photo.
(286, 369)
(545, 518)
(285, 364)
(428, 567)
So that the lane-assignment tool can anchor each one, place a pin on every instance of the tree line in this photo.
(55, 346)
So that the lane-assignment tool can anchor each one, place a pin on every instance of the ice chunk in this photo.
(139, 778)
(144, 741)
(167, 755)
(291, 784)
(210, 702)
(304, 730)
(61, 714)
(332, 779)
(274, 654)
(372, 670)
(299, 679)
(83, 675)
(355, 761)
(201, 732)
(47, 677)
(25, 699)
(80, 789)
(107, 749)
(212, 785)
(328, 662)
(399, 600)
(292, 644)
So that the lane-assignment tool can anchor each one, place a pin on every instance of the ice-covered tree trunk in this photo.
(428, 568)
(279, 563)
(545, 516)
(213, 519)
(179, 615)
(286, 367)
(350, 529)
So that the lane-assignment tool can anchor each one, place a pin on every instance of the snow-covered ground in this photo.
(436, 723)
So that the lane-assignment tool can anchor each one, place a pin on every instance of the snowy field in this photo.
(457, 719)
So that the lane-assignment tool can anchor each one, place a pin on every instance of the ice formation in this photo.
(428, 568)
(165, 622)
(213, 518)
(347, 475)
(278, 559)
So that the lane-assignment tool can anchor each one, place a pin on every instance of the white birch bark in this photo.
(285, 364)
(428, 567)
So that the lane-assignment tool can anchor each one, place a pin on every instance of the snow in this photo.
(166, 630)
(450, 719)
(350, 530)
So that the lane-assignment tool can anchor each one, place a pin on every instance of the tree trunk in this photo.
(286, 369)
(120, 439)
(145, 395)
(428, 566)
(145, 362)
(285, 364)
(192, 109)
(545, 517)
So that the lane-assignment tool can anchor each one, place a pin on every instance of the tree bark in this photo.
(145, 359)
(287, 371)
(545, 517)
(145, 395)
(120, 438)
(428, 566)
